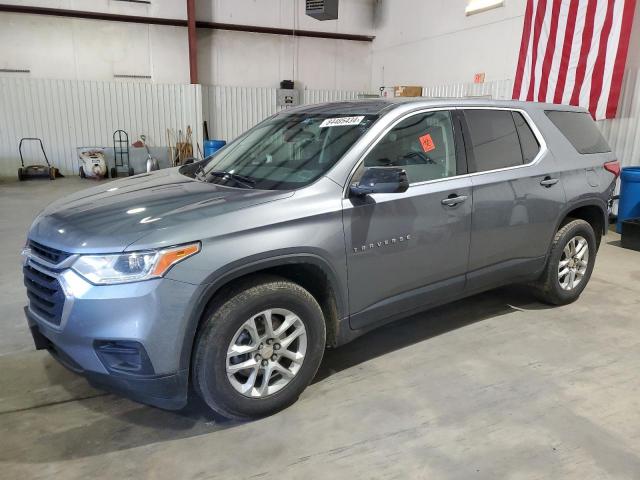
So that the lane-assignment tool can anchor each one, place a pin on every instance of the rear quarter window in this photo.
(528, 141)
(581, 131)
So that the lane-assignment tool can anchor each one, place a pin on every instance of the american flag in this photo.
(574, 52)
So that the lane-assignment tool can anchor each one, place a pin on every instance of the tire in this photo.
(131, 172)
(20, 175)
(549, 287)
(81, 172)
(114, 172)
(223, 322)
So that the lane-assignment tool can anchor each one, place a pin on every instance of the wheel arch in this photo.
(592, 211)
(309, 270)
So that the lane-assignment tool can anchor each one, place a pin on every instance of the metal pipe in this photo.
(176, 22)
(193, 41)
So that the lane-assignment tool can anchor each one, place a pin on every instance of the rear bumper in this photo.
(163, 391)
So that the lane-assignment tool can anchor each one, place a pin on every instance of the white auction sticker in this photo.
(341, 121)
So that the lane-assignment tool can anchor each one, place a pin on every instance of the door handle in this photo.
(549, 182)
(453, 200)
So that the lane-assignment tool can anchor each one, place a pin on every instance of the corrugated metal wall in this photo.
(67, 114)
(230, 111)
(320, 96)
(497, 89)
(623, 132)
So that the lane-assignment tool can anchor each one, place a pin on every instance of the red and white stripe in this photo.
(574, 51)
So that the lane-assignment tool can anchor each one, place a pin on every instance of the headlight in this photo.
(132, 267)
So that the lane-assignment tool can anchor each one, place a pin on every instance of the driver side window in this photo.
(422, 144)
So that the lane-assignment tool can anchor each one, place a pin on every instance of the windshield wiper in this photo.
(241, 179)
(199, 173)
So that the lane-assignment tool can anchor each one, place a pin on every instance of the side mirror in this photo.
(381, 180)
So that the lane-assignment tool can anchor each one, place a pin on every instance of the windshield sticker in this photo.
(427, 143)
(342, 121)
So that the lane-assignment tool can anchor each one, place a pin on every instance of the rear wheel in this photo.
(81, 172)
(114, 172)
(258, 348)
(20, 174)
(570, 264)
(131, 172)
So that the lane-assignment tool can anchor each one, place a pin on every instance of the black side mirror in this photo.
(381, 180)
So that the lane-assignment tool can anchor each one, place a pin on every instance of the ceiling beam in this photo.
(176, 22)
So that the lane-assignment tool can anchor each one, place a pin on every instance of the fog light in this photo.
(124, 356)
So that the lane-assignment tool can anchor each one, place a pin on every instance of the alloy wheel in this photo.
(573, 263)
(266, 352)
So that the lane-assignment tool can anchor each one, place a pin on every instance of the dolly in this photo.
(38, 170)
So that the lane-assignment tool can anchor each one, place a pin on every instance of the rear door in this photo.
(409, 250)
(517, 196)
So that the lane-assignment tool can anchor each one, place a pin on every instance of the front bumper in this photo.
(126, 338)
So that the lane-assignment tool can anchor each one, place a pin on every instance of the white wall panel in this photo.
(321, 96)
(230, 111)
(67, 114)
(623, 132)
(497, 89)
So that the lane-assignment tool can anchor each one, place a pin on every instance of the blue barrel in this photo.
(212, 146)
(629, 203)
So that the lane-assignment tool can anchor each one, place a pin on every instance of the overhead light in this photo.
(478, 6)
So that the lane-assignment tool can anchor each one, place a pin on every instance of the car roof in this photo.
(379, 106)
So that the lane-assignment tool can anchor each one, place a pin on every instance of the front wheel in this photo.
(570, 263)
(258, 348)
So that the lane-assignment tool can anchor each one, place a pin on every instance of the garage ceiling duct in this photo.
(322, 9)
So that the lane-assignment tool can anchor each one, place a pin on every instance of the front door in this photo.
(407, 251)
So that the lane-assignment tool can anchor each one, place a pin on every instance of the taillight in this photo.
(613, 167)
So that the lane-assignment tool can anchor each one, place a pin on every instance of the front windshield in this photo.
(287, 151)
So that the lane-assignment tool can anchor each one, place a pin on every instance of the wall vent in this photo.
(122, 75)
(147, 2)
(322, 9)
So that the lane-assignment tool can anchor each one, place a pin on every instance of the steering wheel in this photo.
(417, 157)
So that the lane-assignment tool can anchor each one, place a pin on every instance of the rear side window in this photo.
(580, 130)
(528, 141)
(494, 139)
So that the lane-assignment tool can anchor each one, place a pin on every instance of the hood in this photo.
(111, 216)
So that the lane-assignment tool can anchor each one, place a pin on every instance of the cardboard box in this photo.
(408, 91)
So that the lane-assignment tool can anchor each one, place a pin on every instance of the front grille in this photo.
(47, 253)
(46, 297)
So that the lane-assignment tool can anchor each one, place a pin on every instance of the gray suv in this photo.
(231, 275)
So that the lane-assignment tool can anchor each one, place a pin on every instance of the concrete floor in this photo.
(496, 386)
